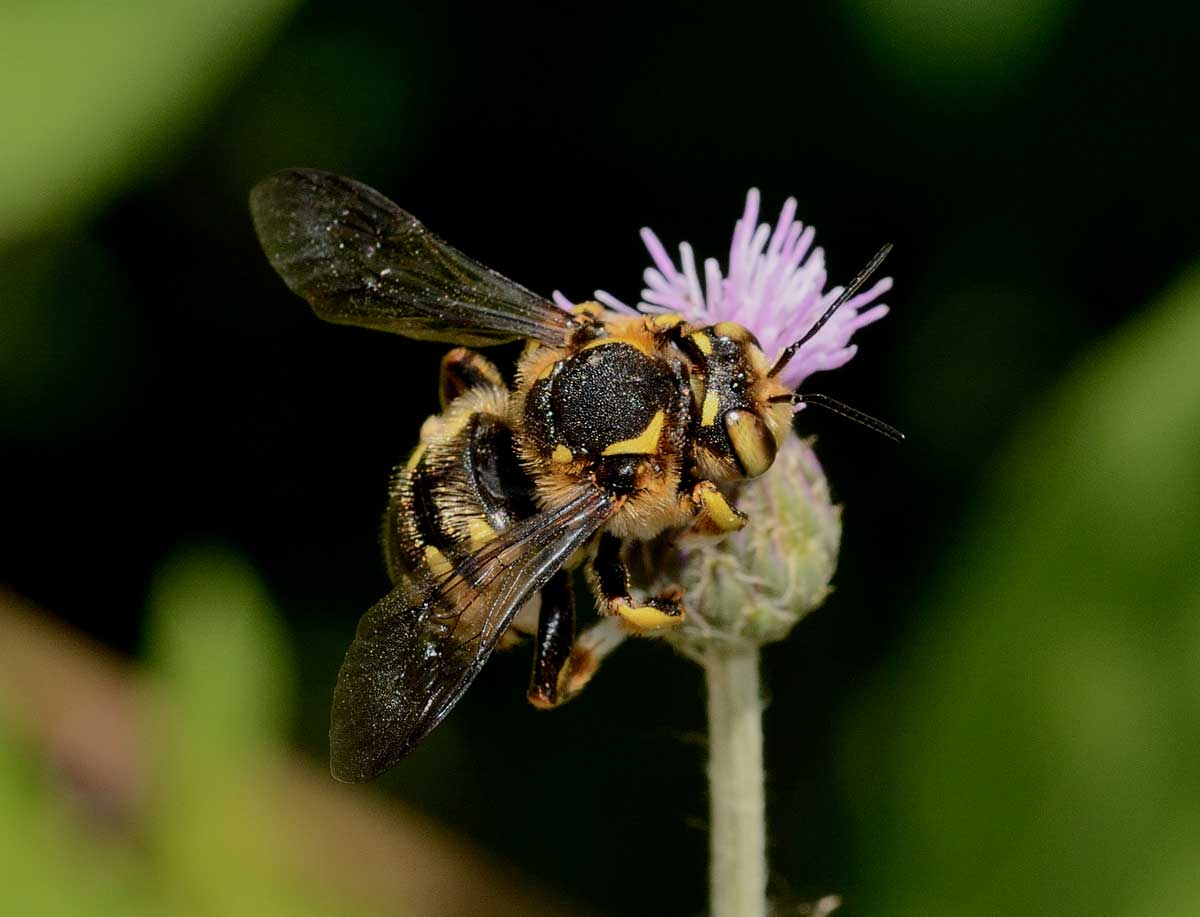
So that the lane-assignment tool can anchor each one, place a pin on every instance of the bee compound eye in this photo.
(753, 443)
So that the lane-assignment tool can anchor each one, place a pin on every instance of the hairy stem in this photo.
(738, 866)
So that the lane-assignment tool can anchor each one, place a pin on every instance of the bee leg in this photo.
(714, 514)
(588, 652)
(464, 369)
(562, 668)
(609, 577)
(552, 645)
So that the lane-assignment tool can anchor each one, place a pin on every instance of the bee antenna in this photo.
(853, 287)
(844, 410)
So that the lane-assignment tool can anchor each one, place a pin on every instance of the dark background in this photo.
(1033, 164)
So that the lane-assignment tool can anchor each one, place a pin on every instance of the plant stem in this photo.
(738, 865)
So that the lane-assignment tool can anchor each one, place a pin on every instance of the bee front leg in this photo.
(464, 369)
(713, 514)
(609, 578)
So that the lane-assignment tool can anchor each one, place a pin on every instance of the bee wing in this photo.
(360, 260)
(420, 647)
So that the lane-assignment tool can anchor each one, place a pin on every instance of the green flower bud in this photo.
(754, 585)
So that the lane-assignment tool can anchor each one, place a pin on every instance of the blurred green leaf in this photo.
(1033, 751)
(95, 91)
(219, 647)
(208, 845)
(940, 40)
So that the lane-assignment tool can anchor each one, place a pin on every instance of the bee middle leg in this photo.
(609, 578)
(464, 369)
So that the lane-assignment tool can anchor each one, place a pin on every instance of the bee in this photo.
(618, 428)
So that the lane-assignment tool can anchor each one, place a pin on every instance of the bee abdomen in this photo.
(462, 487)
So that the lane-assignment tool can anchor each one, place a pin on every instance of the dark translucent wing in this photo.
(360, 260)
(422, 645)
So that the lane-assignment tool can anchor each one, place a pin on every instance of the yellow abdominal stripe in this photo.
(438, 565)
(645, 443)
(415, 459)
(479, 530)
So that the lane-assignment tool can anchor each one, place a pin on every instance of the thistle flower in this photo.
(774, 286)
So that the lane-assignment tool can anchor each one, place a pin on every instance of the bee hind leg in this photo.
(552, 645)
(464, 369)
(609, 578)
(562, 663)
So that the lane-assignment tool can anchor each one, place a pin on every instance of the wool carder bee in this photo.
(618, 428)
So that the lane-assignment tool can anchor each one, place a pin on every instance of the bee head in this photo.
(740, 427)
(744, 410)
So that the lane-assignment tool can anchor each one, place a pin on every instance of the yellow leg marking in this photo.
(561, 454)
(645, 443)
(703, 341)
(647, 617)
(717, 509)
(708, 415)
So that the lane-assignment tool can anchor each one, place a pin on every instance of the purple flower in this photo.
(775, 286)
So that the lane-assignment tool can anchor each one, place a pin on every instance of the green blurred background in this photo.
(997, 712)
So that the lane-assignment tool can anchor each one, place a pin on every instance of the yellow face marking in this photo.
(561, 454)
(703, 341)
(647, 617)
(661, 322)
(415, 459)
(712, 404)
(720, 512)
(479, 530)
(645, 443)
(439, 566)
(603, 342)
